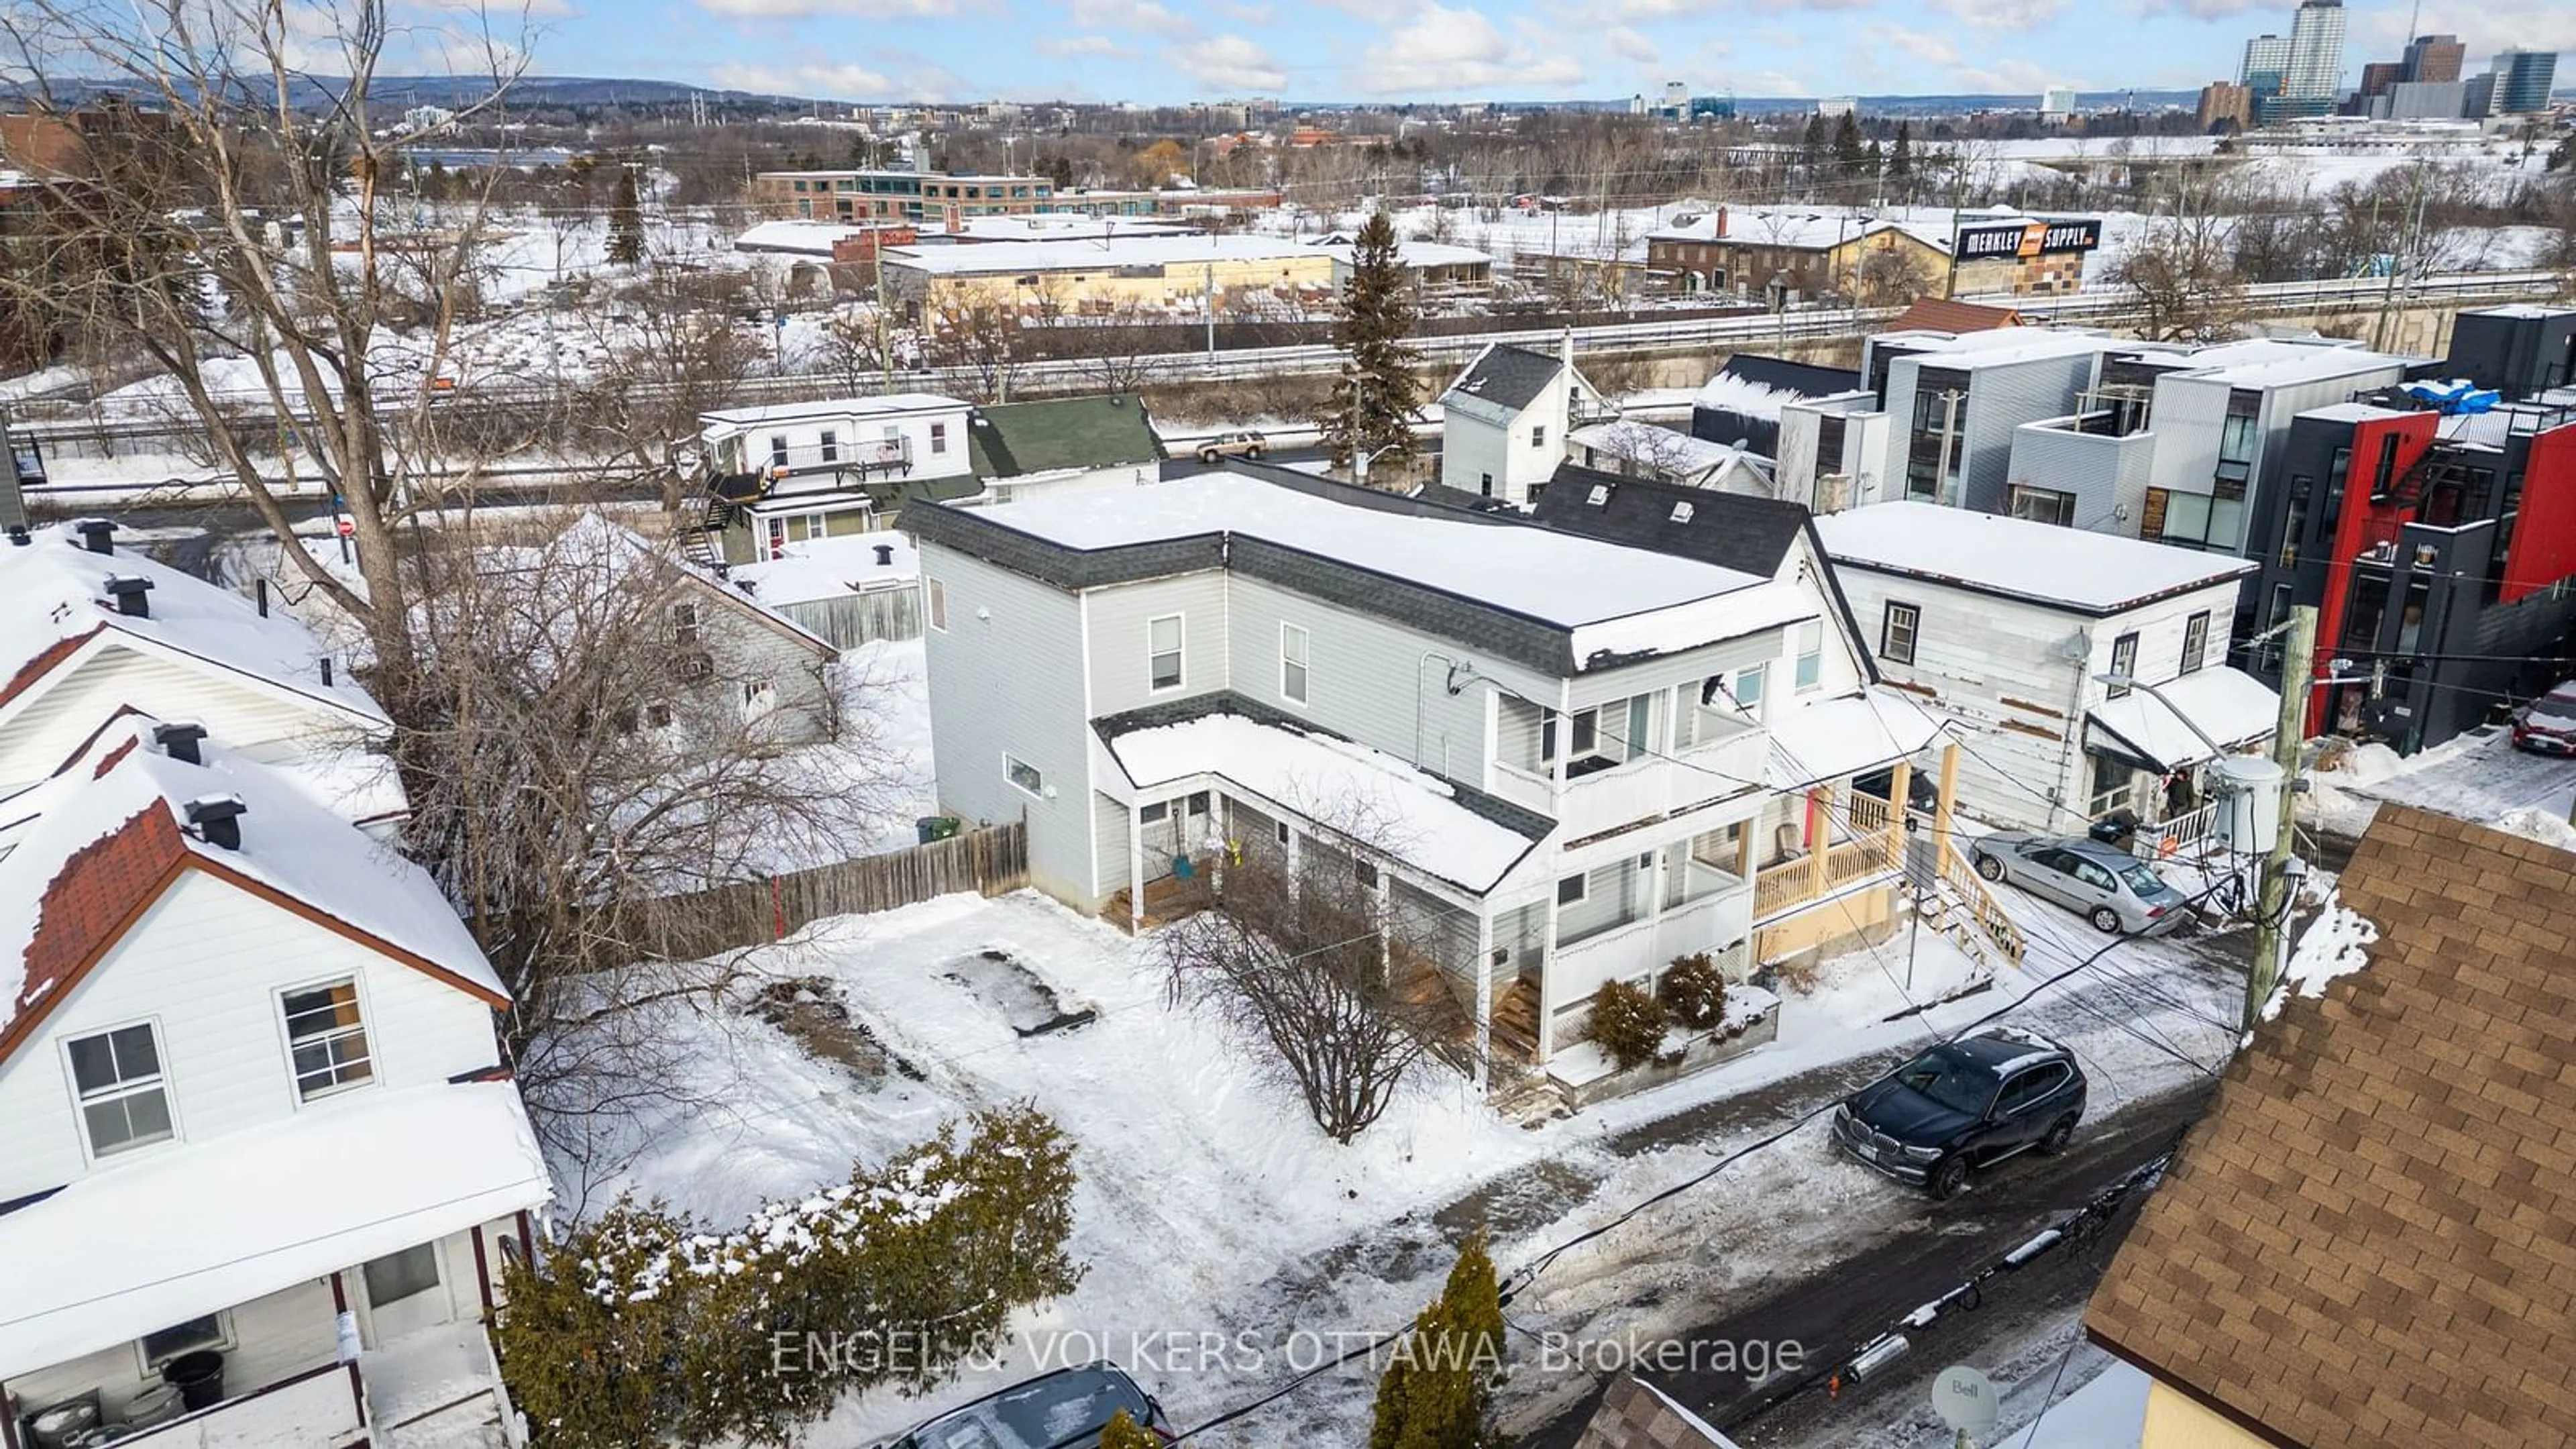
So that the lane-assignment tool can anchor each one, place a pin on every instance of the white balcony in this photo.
(1648, 788)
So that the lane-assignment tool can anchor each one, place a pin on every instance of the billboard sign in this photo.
(2025, 240)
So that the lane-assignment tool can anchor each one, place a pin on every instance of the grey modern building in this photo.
(2522, 81)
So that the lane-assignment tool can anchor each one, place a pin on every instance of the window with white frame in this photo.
(1748, 686)
(1023, 774)
(326, 1039)
(1154, 814)
(397, 1276)
(759, 697)
(935, 596)
(1163, 651)
(1811, 654)
(2124, 663)
(938, 439)
(1292, 663)
(684, 623)
(124, 1101)
(1897, 632)
(2195, 642)
(778, 450)
(159, 1348)
(1570, 890)
(1538, 435)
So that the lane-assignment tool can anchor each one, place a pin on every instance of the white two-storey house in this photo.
(1508, 420)
(260, 1167)
(1581, 759)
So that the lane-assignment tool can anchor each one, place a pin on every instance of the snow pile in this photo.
(2336, 944)
(2540, 825)
(2367, 764)
(1729, 393)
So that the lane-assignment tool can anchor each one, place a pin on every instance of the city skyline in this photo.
(1175, 51)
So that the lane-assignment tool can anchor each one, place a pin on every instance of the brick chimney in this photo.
(1721, 223)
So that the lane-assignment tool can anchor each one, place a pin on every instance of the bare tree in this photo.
(673, 347)
(977, 327)
(1299, 958)
(2183, 274)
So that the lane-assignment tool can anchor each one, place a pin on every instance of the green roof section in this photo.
(1109, 431)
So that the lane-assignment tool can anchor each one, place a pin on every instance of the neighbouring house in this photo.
(1941, 314)
(1741, 405)
(2520, 351)
(1019, 449)
(263, 1166)
(2434, 529)
(88, 628)
(1586, 758)
(1507, 417)
(1221, 271)
(1441, 276)
(848, 591)
(1634, 1414)
(2003, 628)
(1635, 449)
(2364, 1242)
(775, 476)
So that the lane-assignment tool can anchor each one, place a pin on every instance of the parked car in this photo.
(1065, 1409)
(1962, 1106)
(1233, 445)
(2104, 884)
(2548, 724)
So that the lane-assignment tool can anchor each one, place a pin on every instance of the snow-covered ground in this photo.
(2477, 776)
(1210, 1204)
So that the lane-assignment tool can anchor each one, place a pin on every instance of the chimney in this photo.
(95, 534)
(179, 740)
(1721, 223)
(129, 595)
(218, 819)
(885, 554)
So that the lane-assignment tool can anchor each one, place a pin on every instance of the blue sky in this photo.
(1159, 51)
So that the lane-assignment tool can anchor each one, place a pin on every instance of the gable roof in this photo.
(91, 849)
(1010, 439)
(1940, 314)
(1508, 377)
(599, 545)
(2366, 1241)
(54, 603)
(1731, 530)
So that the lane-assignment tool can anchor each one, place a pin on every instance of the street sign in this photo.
(348, 526)
(1965, 1399)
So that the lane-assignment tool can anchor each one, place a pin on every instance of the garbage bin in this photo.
(198, 1376)
(935, 827)
(57, 1427)
(2116, 828)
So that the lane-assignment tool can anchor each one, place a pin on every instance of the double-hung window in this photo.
(2124, 663)
(2195, 641)
(1897, 633)
(1811, 654)
(1163, 651)
(1292, 663)
(326, 1039)
(124, 1100)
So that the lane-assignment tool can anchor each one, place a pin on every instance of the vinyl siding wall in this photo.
(47, 727)
(1475, 441)
(1118, 619)
(2000, 400)
(745, 650)
(2108, 476)
(1013, 682)
(205, 965)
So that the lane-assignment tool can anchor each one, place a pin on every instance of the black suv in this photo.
(1964, 1104)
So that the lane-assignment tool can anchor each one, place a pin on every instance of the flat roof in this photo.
(2043, 563)
(1107, 253)
(839, 407)
(1996, 347)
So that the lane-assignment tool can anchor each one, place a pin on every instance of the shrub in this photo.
(1627, 1023)
(1437, 1392)
(1694, 990)
(1125, 1433)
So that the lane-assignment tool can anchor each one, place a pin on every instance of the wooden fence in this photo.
(753, 913)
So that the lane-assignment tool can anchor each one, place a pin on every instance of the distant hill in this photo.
(390, 93)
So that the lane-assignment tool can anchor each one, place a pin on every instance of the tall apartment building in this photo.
(2265, 55)
(2316, 57)
(2225, 103)
(2522, 81)
(2434, 58)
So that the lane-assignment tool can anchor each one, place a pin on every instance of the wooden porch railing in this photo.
(1971, 916)
(1784, 887)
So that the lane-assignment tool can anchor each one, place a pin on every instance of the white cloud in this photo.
(1442, 49)
(2007, 77)
(2206, 9)
(1132, 17)
(864, 9)
(1649, 10)
(2486, 30)
(820, 81)
(1094, 45)
(1923, 45)
(1627, 43)
(2005, 14)
(1229, 63)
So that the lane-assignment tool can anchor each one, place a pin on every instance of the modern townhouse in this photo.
(1574, 760)
(260, 1164)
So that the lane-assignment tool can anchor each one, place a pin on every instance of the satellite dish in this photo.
(1965, 1399)
(2075, 648)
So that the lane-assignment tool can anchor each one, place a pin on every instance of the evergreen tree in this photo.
(1370, 409)
(1060, 171)
(1847, 152)
(1125, 1433)
(625, 221)
(1438, 1390)
(1811, 148)
(1900, 161)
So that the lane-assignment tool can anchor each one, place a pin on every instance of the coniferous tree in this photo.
(1438, 1390)
(1371, 407)
(1847, 152)
(625, 221)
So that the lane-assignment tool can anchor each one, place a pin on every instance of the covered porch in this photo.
(1833, 854)
(2148, 752)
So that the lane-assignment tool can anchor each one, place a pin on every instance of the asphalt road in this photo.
(1833, 1313)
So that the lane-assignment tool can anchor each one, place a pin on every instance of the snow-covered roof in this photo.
(1106, 255)
(1413, 816)
(1664, 449)
(1728, 393)
(2042, 563)
(114, 820)
(2308, 364)
(1416, 254)
(727, 422)
(185, 1230)
(813, 238)
(2230, 706)
(2004, 346)
(1848, 734)
(608, 553)
(1614, 600)
(1802, 228)
(53, 596)
(1054, 226)
(828, 568)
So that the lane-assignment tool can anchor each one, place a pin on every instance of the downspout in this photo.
(2067, 751)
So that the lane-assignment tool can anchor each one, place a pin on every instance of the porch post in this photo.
(1820, 843)
(1135, 869)
(1655, 874)
(1382, 919)
(1898, 784)
(1941, 809)
(1484, 989)
(1547, 982)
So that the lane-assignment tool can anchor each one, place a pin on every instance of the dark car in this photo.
(1065, 1409)
(2548, 724)
(1964, 1105)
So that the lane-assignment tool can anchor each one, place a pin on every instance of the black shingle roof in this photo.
(1511, 377)
(1781, 375)
(1731, 530)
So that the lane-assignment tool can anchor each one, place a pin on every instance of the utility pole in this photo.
(1210, 296)
(2298, 670)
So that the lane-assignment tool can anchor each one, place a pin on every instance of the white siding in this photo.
(205, 965)
(273, 1338)
(1110, 858)
(1473, 445)
(47, 727)
(2108, 476)
(747, 649)
(1006, 675)
(1117, 618)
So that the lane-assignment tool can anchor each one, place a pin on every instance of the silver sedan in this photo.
(2102, 883)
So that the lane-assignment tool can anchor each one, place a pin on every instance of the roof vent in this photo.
(885, 554)
(96, 534)
(178, 740)
(218, 819)
(1599, 495)
(1682, 511)
(129, 595)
